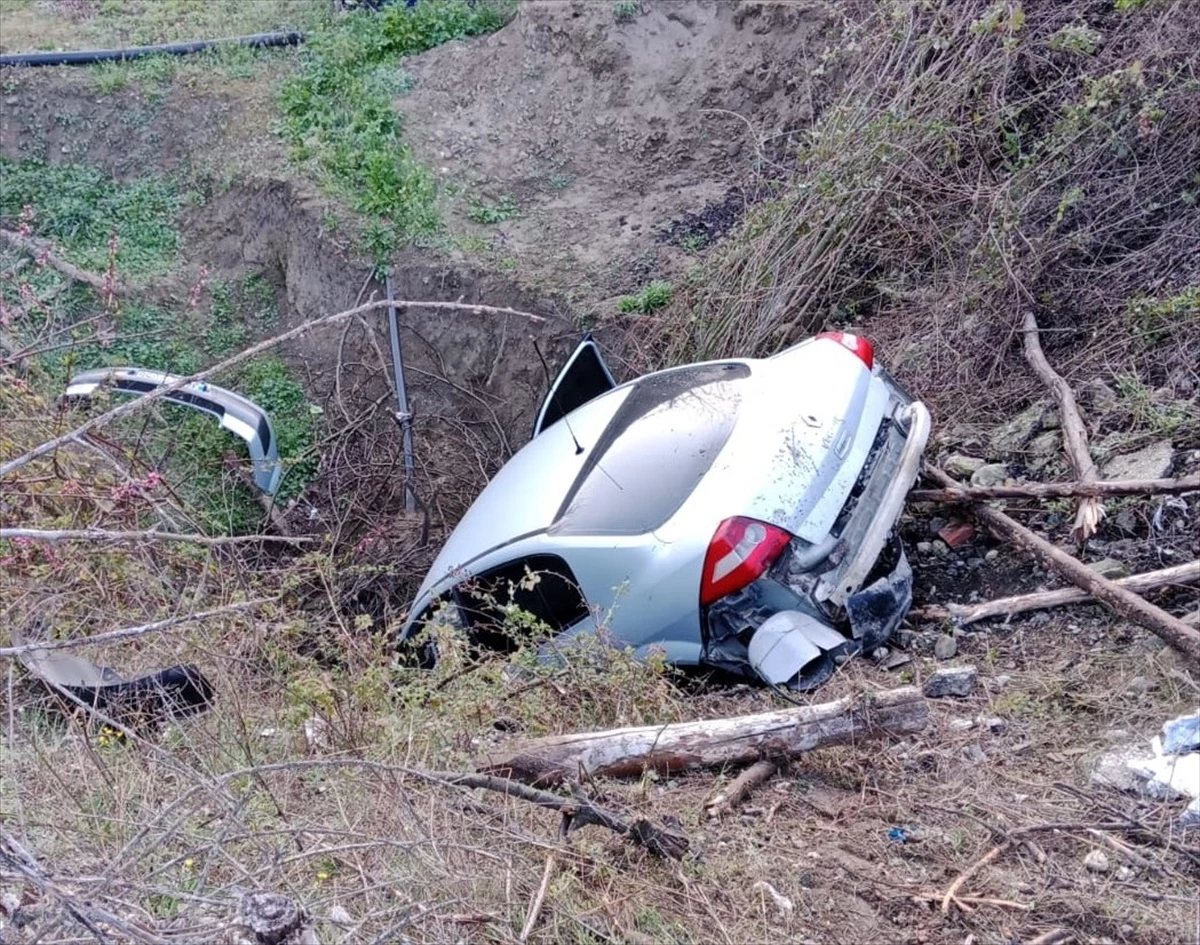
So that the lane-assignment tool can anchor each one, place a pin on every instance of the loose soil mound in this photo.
(605, 130)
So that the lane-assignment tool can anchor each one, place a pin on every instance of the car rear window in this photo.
(654, 451)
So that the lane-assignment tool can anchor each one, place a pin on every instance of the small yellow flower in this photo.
(322, 876)
(189, 864)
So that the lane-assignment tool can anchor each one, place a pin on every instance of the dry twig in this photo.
(103, 535)
(535, 909)
(758, 773)
(40, 249)
(1173, 630)
(964, 614)
(126, 633)
(950, 896)
(246, 354)
(1075, 440)
(1058, 490)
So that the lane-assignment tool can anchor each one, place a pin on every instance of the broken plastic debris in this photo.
(1181, 734)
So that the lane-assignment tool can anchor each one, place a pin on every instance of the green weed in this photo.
(498, 211)
(338, 114)
(79, 208)
(626, 10)
(654, 296)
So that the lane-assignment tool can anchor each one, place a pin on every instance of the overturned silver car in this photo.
(737, 515)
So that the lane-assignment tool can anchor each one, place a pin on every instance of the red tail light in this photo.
(740, 552)
(856, 343)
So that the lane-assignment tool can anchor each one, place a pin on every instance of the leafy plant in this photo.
(498, 211)
(654, 295)
(80, 207)
(625, 10)
(338, 114)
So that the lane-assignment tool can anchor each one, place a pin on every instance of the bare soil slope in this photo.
(604, 130)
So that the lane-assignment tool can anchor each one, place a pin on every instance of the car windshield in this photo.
(654, 451)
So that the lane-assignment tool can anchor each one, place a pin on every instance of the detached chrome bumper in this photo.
(879, 507)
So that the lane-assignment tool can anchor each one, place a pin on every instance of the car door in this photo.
(584, 377)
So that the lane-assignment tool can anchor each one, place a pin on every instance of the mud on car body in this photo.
(735, 514)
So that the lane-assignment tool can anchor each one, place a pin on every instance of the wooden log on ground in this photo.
(964, 614)
(1058, 490)
(40, 249)
(1075, 440)
(1128, 604)
(628, 752)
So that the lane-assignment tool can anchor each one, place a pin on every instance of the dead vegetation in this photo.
(327, 772)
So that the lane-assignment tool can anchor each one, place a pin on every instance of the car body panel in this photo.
(584, 377)
(800, 432)
(237, 414)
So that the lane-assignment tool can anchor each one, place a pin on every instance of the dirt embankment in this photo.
(604, 131)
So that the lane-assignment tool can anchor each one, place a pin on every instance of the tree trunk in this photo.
(627, 752)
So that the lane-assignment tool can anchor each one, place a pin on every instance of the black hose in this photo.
(85, 57)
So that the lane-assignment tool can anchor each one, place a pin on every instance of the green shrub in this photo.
(338, 112)
(654, 296)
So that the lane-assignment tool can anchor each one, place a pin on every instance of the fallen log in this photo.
(628, 752)
(1075, 439)
(1128, 604)
(40, 249)
(1057, 490)
(964, 614)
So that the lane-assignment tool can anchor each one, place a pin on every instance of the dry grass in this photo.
(979, 160)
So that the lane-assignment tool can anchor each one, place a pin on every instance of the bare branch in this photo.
(40, 249)
(1075, 440)
(964, 614)
(126, 632)
(150, 534)
(1125, 602)
(141, 403)
(1058, 490)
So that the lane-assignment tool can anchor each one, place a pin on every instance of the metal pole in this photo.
(403, 417)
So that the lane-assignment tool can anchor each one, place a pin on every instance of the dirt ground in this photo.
(606, 133)
(627, 147)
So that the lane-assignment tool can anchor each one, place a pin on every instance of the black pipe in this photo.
(85, 57)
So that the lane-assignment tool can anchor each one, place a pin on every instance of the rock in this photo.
(1126, 521)
(1012, 436)
(1109, 568)
(1096, 861)
(1140, 684)
(1098, 397)
(992, 554)
(1044, 448)
(1124, 874)
(993, 474)
(936, 525)
(924, 547)
(903, 638)
(957, 534)
(993, 723)
(939, 548)
(975, 754)
(961, 725)
(945, 647)
(951, 681)
(1153, 462)
(960, 466)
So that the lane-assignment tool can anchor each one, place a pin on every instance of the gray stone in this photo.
(1153, 462)
(1109, 568)
(945, 647)
(1098, 396)
(939, 548)
(975, 754)
(960, 465)
(1045, 446)
(951, 681)
(993, 474)
(1126, 521)
(1096, 861)
(993, 723)
(992, 555)
(924, 547)
(1012, 436)
(1140, 684)
(936, 525)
